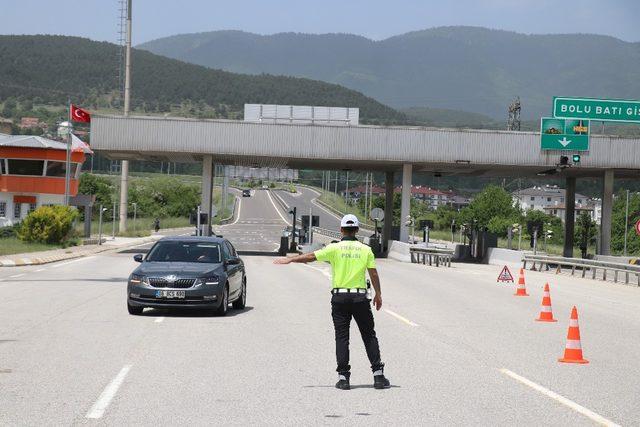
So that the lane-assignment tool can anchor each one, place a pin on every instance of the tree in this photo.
(618, 222)
(493, 209)
(536, 218)
(97, 186)
(585, 232)
(26, 106)
(9, 108)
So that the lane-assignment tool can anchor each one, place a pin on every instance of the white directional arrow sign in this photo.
(564, 141)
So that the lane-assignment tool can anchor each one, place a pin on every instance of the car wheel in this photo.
(224, 305)
(134, 310)
(241, 302)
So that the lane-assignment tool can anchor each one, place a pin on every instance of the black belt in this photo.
(348, 291)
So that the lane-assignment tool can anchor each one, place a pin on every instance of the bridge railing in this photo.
(584, 265)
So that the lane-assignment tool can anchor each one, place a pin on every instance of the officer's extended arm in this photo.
(304, 258)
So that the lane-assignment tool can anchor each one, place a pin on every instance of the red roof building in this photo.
(32, 174)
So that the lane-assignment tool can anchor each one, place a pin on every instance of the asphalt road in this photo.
(304, 200)
(70, 354)
(258, 226)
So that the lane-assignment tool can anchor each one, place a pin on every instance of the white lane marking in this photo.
(146, 243)
(401, 318)
(159, 319)
(98, 408)
(561, 399)
(17, 275)
(325, 272)
(237, 216)
(71, 262)
(276, 208)
(40, 269)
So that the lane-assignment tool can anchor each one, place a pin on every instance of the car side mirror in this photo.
(232, 261)
(138, 257)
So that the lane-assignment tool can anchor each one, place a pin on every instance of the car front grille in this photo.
(161, 282)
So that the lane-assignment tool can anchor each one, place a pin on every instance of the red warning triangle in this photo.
(505, 275)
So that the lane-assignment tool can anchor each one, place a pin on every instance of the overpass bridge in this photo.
(371, 148)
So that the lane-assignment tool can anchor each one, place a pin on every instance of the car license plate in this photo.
(170, 294)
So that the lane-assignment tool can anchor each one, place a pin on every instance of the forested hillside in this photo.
(49, 69)
(462, 68)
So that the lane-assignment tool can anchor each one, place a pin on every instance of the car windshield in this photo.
(185, 252)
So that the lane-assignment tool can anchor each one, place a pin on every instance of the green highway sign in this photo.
(562, 134)
(607, 110)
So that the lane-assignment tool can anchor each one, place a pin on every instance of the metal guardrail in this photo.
(431, 256)
(332, 233)
(585, 265)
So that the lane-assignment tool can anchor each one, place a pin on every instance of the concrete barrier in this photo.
(399, 251)
(499, 256)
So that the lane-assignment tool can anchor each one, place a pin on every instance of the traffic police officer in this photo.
(350, 260)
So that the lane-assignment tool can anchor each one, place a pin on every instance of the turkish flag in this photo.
(80, 115)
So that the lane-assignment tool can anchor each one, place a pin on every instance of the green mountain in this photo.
(443, 117)
(462, 68)
(50, 69)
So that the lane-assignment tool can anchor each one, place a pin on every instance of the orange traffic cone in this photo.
(546, 314)
(573, 349)
(522, 289)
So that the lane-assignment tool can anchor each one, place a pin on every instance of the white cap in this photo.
(349, 221)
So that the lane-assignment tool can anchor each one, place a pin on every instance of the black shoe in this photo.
(343, 384)
(380, 382)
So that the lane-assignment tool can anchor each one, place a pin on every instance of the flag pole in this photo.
(67, 173)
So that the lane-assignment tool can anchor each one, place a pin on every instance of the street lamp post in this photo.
(135, 209)
(65, 129)
(102, 209)
(113, 221)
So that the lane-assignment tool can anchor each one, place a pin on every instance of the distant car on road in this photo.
(246, 193)
(188, 272)
(264, 187)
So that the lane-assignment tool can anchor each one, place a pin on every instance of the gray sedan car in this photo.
(188, 272)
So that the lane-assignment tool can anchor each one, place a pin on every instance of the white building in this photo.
(551, 199)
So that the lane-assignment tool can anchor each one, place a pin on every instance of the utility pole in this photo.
(124, 177)
(346, 189)
(370, 194)
(626, 224)
(366, 195)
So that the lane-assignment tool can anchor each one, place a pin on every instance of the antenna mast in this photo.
(513, 122)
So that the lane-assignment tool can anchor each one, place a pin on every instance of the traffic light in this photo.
(576, 159)
(564, 161)
(549, 234)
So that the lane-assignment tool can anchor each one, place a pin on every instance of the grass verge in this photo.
(12, 245)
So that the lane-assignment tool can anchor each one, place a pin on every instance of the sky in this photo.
(376, 19)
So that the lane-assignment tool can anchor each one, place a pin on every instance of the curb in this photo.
(79, 254)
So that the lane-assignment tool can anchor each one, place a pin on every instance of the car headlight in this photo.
(137, 279)
(210, 280)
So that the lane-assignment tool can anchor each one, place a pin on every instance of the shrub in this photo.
(48, 224)
(10, 231)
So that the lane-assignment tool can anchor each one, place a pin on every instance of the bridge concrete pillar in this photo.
(388, 210)
(407, 170)
(207, 188)
(607, 209)
(569, 217)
